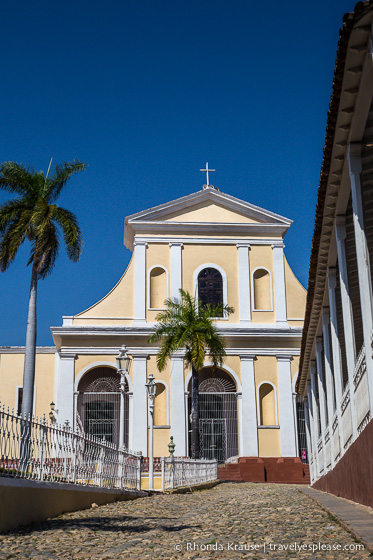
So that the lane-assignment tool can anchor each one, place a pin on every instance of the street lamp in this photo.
(151, 388)
(123, 362)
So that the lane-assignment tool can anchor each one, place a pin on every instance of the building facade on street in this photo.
(221, 249)
(336, 369)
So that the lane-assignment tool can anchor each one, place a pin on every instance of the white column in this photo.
(313, 430)
(335, 345)
(140, 412)
(320, 385)
(65, 400)
(249, 427)
(286, 413)
(315, 413)
(363, 265)
(294, 395)
(244, 282)
(328, 378)
(308, 437)
(279, 282)
(176, 269)
(322, 396)
(139, 313)
(177, 405)
(130, 421)
(348, 324)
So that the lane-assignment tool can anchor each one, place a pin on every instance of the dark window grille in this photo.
(301, 422)
(217, 415)
(98, 409)
(210, 287)
(19, 400)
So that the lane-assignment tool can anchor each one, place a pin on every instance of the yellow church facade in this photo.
(220, 249)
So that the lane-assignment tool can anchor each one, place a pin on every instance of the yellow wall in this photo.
(117, 303)
(295, 295)
(208, 212)
(269, 442)
(11, 376)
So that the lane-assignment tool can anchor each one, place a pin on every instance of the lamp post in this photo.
(123, 362)
(151, 388)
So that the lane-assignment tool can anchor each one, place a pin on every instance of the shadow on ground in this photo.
(119, 524)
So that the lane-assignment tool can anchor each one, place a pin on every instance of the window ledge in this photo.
(268, 427)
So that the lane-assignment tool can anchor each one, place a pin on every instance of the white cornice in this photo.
(21, 349)
(141, 352)
(206, 240)
(180, 228)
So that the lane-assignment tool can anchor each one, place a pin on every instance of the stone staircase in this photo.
(230, 472)
(269, 469)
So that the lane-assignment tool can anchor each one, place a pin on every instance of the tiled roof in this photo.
(349, 21)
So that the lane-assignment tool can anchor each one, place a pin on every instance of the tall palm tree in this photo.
(34, 216)
(187, 324)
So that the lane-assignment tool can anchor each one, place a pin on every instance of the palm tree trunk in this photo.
(30, 351)
(29, 374)
(195, 415)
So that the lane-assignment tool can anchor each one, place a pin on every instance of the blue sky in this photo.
(147, 92)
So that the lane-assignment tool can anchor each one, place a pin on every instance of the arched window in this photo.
(158, 287)
(262, 290)
(267, 405)
(210, 287)
(98, 406)
(161, 406)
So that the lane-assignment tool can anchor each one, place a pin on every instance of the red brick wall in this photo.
(352, 477)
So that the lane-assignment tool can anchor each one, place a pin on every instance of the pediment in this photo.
(205, 208)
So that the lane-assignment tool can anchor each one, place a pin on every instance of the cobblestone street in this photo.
(216, 523)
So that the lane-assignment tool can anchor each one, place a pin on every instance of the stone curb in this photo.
(338, 518)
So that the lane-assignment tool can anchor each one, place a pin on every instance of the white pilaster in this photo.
(177, 405)
(315, 413)
(139, 414)
(322, 396)
(308, 437)
(320, 384)
(140, 282)
(363, 265)
(328, 377)
(176, 269)
(313, 430)
(279, 282)
(244, 282)
(65, 402)
(348, 324)
(286, 413)
(249, 428)
(335, 345)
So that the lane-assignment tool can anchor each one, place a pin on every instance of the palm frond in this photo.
(71, 232)
(16, 178)
(63, 173)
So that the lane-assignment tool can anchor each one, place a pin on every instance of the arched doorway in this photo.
(98, 405)
(218, 427)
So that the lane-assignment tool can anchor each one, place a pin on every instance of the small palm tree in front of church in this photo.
(34, 216)
(187, 324)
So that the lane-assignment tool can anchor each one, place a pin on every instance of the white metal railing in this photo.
(179, 472)
(39, 450)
